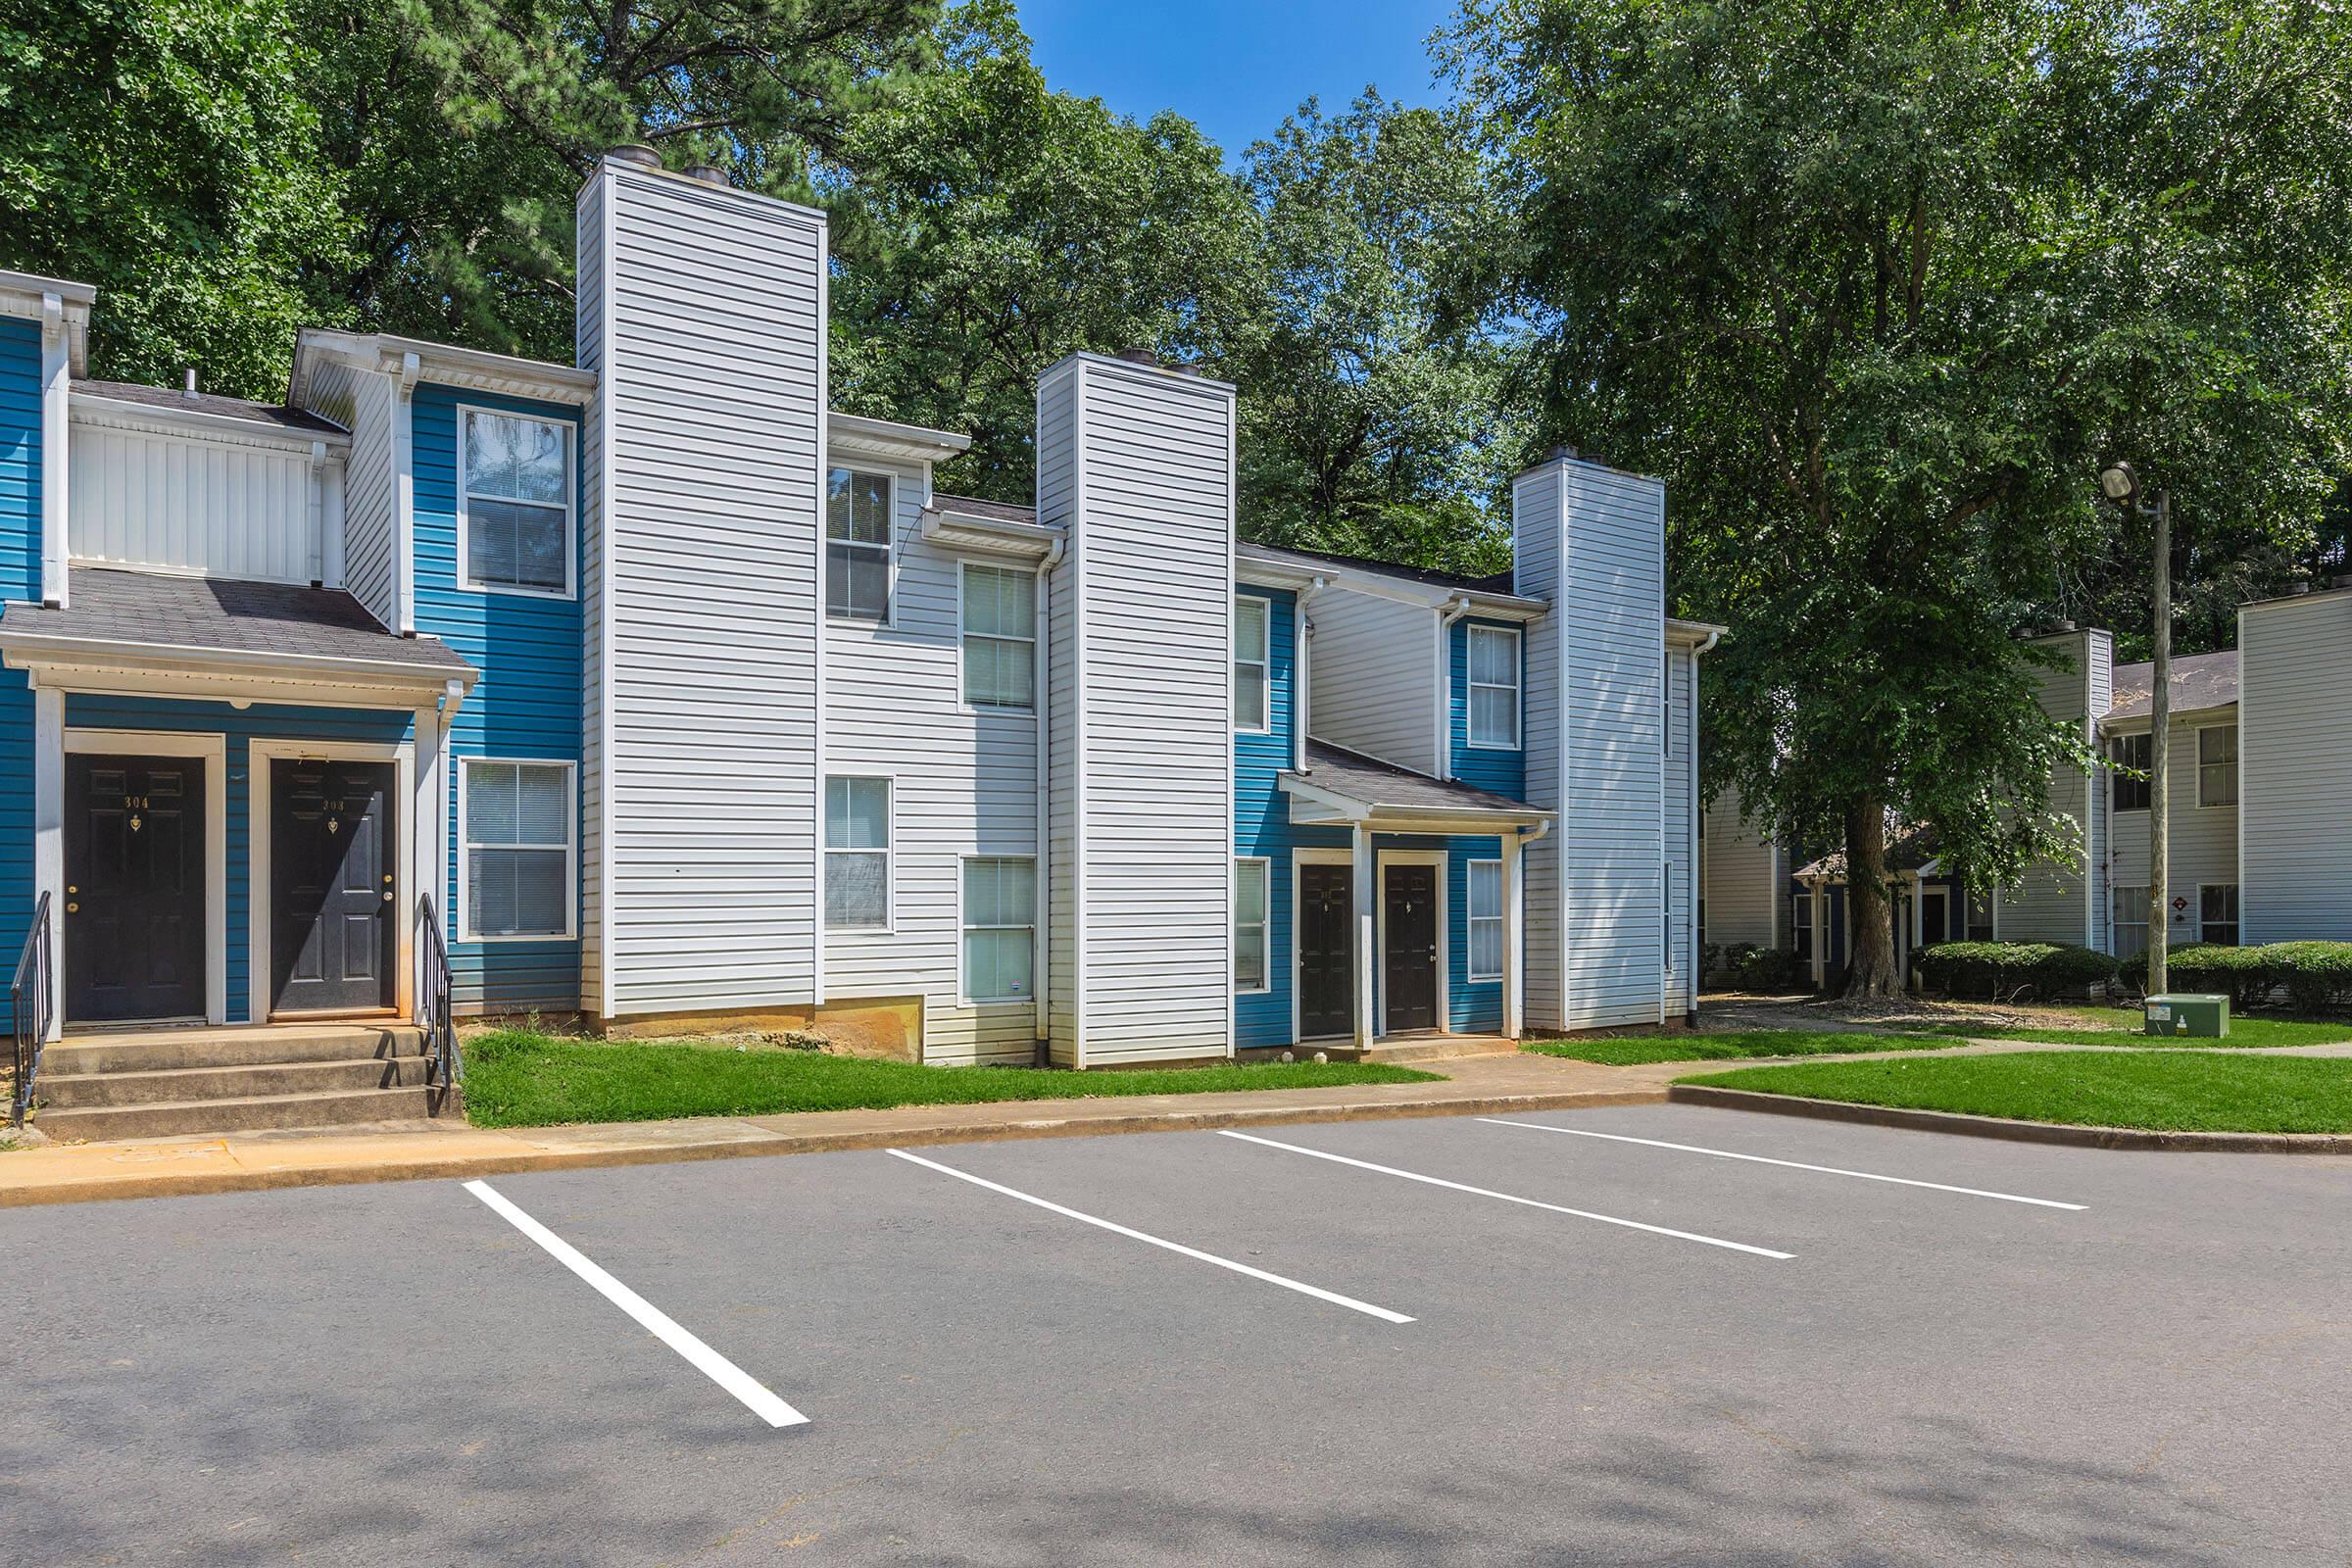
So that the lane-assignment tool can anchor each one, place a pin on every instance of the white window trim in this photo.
(890, 860)
(2138, 902)
(964, 928)
(570, 847)
(964, 695)
(1471, 918)
(2114, 778)
(1802, 902)
(1265, 670)
(889, 548)
(1264, 865)
(1518, 689)
(572, 509)
(2236, 782)
(2239, 922)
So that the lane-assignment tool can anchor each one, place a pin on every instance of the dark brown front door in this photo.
(1409, 967)
(331, 911)
(134, 888)
(1326, 953)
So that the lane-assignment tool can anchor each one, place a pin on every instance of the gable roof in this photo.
(2200, 681)
(1384, 788)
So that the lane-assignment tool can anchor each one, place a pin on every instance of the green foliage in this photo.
(517, 1078)
(2006, 969)
(1875, 285)
(1752, 968)
(2315, 976)
(991, 225)
(2171, 1091)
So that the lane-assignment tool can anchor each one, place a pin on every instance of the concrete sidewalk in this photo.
(412, 1151)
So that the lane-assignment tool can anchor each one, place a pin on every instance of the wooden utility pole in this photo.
(2160, 746)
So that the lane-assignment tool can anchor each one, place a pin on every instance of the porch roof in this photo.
(1357, 787)
(131, 619)
(1909, 850)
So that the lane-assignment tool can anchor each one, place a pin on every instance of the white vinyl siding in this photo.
(2054, 902)
(515, 504)
(856, 853)
(1493, 660)
(1000, 638)
(2216, 765)
(705, 521)
(1253, 924)
(2295, 755)
(1744, 879)
(1485, 919)
(2204, 843)
(232, 504)
(964, 787)
(1250, 623)
(1373, 686)
(1000, 929)
(857, 531)
(519, 872)
(363, 403)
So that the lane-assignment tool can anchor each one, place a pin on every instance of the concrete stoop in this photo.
(164, 1083)
(1420, 1048)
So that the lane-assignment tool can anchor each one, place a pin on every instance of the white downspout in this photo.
(57, 377)
(1045, 739)
(1303, 634)
(1454, 609)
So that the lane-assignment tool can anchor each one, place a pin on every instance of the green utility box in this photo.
(2188, 1013)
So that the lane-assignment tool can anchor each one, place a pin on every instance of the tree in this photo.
(166, 151)
(1876, 284)
(1374, 423)
(989, 226)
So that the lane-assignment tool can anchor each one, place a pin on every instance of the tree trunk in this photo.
(1869, 908)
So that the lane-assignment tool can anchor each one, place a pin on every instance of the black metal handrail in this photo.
(31, 1009)
(442, 1065)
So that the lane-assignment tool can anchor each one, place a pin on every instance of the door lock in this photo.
(387, 898)
(72, 908)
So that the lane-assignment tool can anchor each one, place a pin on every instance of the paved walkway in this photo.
(397, 1151)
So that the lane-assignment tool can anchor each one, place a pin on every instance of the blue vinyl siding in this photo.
(526, 704)
(21, 579)
(1499, 772)
(376, 726)
(1261, 819)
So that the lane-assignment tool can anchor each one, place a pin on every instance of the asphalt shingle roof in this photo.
(167, 396)
(210, 612)
(2199, 681)
(1377, 783)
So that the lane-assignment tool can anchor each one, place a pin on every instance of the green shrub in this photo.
(2006, 969)
(2315, 976)
(1770, 969)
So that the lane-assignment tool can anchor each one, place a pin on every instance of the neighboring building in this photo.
(661, 694)
(2258, 785)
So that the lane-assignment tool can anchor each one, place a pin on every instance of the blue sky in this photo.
(1234, 66)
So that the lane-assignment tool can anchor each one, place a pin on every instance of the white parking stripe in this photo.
(1792, 1164)
(1483, 1192)
(1178, 1248)
(713, 1365)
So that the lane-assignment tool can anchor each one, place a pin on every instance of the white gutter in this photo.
(1451, 610)
(1042, 662)
(1302, 701)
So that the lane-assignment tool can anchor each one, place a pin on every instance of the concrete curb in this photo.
(2022, 1132)
(467, 1166)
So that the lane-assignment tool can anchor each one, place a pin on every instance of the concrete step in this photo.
(335, 1108)
(161, 1049)
(1433, 1047)
(58, 1091)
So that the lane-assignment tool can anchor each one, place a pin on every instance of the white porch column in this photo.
(49, 835)
(1514, 955)
(1367, 952)
(1918, 929)
(57, 362)
(1820, 936)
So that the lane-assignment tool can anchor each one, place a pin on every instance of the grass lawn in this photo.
(2171, 1091)
(2124, 1029)
(514, 1078)
(1627, 1051)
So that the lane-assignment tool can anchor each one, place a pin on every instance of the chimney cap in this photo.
(709, 175)
(635, 152)
(1561, 453)
(1139, 356)
(189, 389)
(2062, 623)
(2298, 588)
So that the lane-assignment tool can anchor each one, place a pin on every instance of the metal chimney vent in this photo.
(709, 175)
(635, 152)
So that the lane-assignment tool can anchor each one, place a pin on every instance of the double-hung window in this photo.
(1485, 919)
(858, 546)
(1000, 927)
(2217, 913)
(856, 853)
(515, 504)
(2128, 916)
(2216, 765)
(2130, 752)
(1494, 688)
(518, 865)
(1800, 925)
(1251, 659)
(1000, 638)
(1252, 948)
(1980, 917)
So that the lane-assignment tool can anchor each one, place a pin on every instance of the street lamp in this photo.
(2118, 482)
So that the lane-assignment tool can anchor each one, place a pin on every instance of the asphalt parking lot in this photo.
(1553, 1347)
